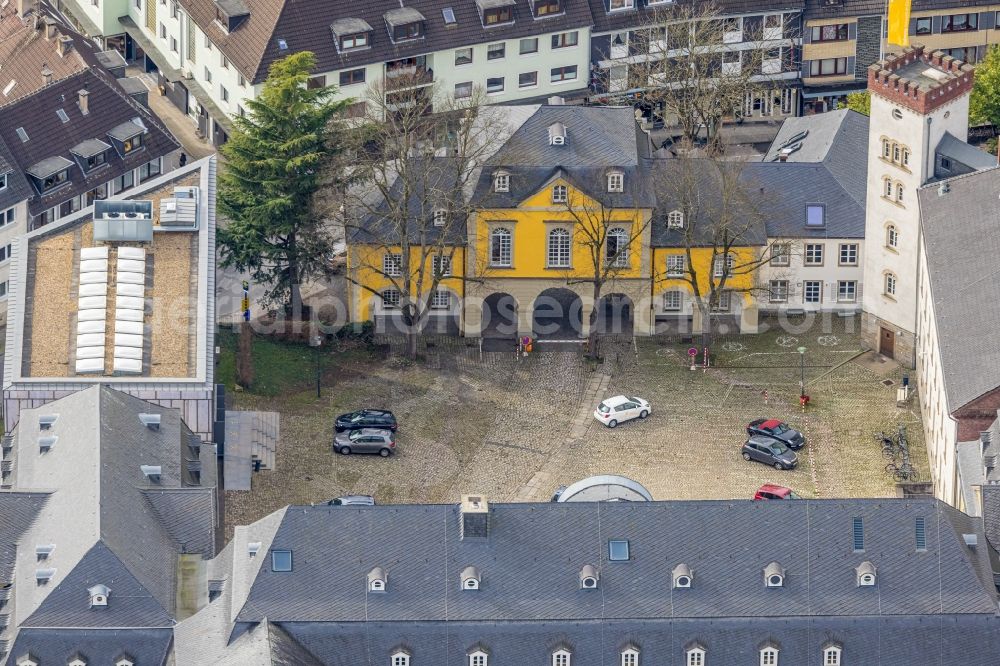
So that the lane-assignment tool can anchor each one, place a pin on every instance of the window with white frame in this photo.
(848, 254)
(440, 299)
(887, 188)
(392, 264)
(778, 291)
(831, 656)
(630, 657)
(558, 254)
(478, 658)
(559, 194)
(899, 193)
(673, 300)
(812, 291)
(616, 5)
(781, 254)
(501, 182)
(675, 265)
(847, 291)
(617, 247)
(6, 217)
(500, 247)
(390, 299)
(441, 265)
(694, 657)
(723, 266)
(890, 284)
(440, 217)
(675, 220)
(723, 303)
(399, 659)
(616, 181)
(3, 181)
(769, 656)
(561, 658)
(814, 254)
(891, 236)
(5, 252)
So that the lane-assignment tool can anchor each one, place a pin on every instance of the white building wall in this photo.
(829, 275)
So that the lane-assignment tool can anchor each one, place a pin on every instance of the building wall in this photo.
(8, 233)
(830, 274)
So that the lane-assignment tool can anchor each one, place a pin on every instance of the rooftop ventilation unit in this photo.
(253, 548)
(99, 596)
(123, 221)
(45, 421)
(43, 551)
(151, 421)
(475, 513)
(151, 472)
(180, 211)
(943, 189)
(971, 540)
(46, 443)
(43, 576)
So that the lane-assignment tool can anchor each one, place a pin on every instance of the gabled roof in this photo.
(98, 646)
(18, 511)
(968, 156)
(644, 12)
(964, 281)
(819, 9)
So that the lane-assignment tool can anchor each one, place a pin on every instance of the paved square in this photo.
(518, 428)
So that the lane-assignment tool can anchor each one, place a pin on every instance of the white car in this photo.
(620, 408)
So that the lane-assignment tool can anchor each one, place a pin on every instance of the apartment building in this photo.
(70, 134)
(842, 38)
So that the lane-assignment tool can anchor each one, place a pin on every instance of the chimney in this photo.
(556, 100)
(64, 45)
(50, 28)
(24, 6)
(46, 74)
(82, 101)
(474, 514)
(782, 156)
(151, 421)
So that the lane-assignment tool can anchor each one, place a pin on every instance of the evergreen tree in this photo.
(273, 161)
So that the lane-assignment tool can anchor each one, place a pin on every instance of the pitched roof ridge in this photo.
(961, 176)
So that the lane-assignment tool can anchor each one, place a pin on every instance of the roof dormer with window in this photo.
(470, 578)
(231, 14)
(377, 580)
(774, 575)
(546, 8)
(588, 577)
(50, 173)
(496, 12)
(557, 134)
(404, 24)
(865, 573)
(351, 34)
(682, 576)
(501, 181)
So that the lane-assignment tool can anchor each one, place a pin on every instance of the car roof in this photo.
(374, 431)
(356, 499)
(616, 400)
(770, 423)
(762, 439)
(376, 411)
(773, 488)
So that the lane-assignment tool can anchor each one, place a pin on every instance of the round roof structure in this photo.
(605, 488)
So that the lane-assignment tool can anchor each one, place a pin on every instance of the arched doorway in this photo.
(499, 317)
(557, 315)
(615, 315)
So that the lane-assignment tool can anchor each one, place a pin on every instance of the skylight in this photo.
(281, 560)
(22, 135)
(449, 16)
(62, 115)
(282, 45)
(618, 550)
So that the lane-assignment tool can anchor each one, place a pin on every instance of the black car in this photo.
(778, 430)
(366, 418)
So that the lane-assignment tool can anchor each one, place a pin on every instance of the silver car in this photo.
(366, 440)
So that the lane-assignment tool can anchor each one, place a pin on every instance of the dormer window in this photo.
(356, 41)
(377, 580)
(404, 23)
(99, 596)
(546, 7)
(77, 660)
(124, 661)
(43, 551)
(478, 657)
(501, 181)
(127, 136)
(557, 134)
(253, 548)
(132, 144)
(769, 655)
(683, 577)
(831, 654)
(27, 660)
(616, 181)
(774, 575)
(351, 33)
(630, 656)
(231, 13)
(562, 657)
(496, 12)
(92, 153)
(865, 573)
(399, 658)
(440, 217)
(50, 173)
(588, 577)
(694, 655)
(43, 576)
(675, 220)
(470, 578)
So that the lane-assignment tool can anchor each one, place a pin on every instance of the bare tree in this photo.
(715, 213)
(415, 159)
(698, 66)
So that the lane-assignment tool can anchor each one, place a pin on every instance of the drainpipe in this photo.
(930, 153)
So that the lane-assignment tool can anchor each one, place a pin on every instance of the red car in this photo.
(769, 491)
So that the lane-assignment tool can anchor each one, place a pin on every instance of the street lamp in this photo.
(317, 341)
(802, 366)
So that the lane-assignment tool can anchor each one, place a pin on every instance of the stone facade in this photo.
(869, 45)
(903, 342)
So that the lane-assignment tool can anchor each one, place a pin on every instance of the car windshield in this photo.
(603, 408)
(792, 495)
(357, 416)
(637, 401)
(780, 429)
(777, 449)
(356, 434)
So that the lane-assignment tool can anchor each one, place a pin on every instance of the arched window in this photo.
(501, 181)
(899, 192)
(559, 194)
(769, 656)
(887, 187)
(906, 157)
(890, 284)
(616, 181)
(478, 658)
(500, 247)
(831, 655)
(694, 657)
(558, 255)
(886, 148)
(617, 247)
(891, 236)
(897, 152)
(561, 658)
(675, 220)
(630, 657)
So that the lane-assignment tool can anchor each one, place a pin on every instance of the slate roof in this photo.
(97, 646)
(966, 155)
(786, 189)
(819, 9)
(17, 511)
(531, 561)
(18, 188)
(49, 136)
(965, 281)
(644, 13)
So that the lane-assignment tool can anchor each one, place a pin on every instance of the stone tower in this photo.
(916, 97)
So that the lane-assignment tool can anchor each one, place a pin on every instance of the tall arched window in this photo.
(887, 187)
(500, 247)
(478, 658)
(891, 236)
(558, 255)
(617, 248)
(890, 284)
(899, 192)
(561, 658)
(694, 657)
(769, 656)
(630, 657)
(831, 655)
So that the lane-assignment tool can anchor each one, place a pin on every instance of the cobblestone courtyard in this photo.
(517, 429)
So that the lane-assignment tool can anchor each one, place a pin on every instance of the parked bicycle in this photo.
(902, 472)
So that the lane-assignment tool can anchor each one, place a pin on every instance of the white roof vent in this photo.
(377, 580)
(46, 443)
(253, 548)
(470, 578)
(46, 421)
(151, 421)
(99, 596)
(151, 472)
(774, 575)
(556, 100)
(588, 577)
(683, 577)
(971, 540)
(865, 573)
(557, 134)
(43, 576)
(42, 551)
